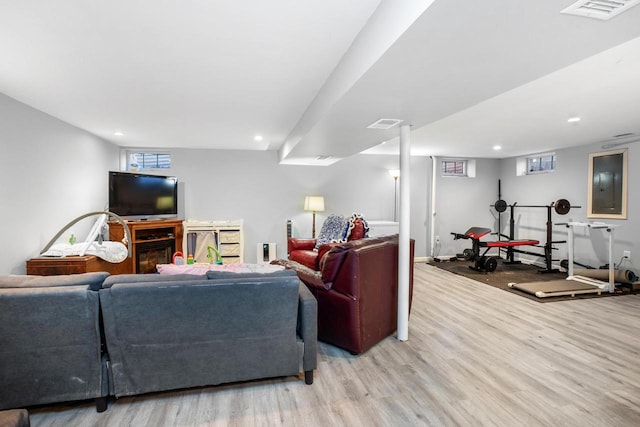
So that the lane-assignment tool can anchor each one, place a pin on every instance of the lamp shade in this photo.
(314, 203)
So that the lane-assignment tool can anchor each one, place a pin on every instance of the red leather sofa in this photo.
(304, 251)
(357, 291)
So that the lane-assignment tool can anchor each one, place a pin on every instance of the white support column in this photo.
(434, 188)
(612, 286)
(404, 237)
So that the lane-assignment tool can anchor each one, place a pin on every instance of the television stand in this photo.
(153, 242)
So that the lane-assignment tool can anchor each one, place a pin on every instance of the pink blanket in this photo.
(203, 268)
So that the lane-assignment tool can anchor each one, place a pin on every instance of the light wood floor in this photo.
(476, 356)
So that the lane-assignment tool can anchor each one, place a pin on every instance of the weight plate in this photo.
(468, 254)
(562, 206)
(491, 264)
(500, 205)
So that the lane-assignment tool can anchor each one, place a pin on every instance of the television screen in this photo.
(138, 196)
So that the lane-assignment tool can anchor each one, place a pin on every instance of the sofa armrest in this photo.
(308, 276)
(308, 330)
(294, 243)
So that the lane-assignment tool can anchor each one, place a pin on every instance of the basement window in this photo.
(541, 163)
(146, 160)
(454, 168)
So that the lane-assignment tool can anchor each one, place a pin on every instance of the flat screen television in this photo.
(136, 196)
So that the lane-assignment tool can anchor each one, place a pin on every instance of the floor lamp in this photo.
(395, 173)
(314, 204)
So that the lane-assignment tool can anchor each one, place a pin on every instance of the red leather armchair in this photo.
(357, 291)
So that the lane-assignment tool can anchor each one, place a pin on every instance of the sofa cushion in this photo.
(332, 230)
(306, 257)
(168, 335)
(93, 280)
(50, 344)
(213, 274)
(146, 278)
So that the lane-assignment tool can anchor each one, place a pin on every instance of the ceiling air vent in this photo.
(599, 9)
(386, 123)
(621, 139)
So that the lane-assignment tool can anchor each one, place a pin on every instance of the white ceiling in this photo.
(310, 76)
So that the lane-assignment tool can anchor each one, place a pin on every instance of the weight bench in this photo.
(481, 261)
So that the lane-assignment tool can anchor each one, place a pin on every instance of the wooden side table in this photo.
(50, 266)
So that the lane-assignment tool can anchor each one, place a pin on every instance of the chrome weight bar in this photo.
(561, 206)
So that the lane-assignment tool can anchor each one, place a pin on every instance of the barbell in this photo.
(561, 206)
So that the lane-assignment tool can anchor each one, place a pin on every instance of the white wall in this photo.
(51, 172)
(251, 185)
(570, 181)
(464, 202)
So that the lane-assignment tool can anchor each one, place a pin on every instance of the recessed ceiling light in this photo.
(573, 119)
(118, 133)
(258, 138)
(497, 147)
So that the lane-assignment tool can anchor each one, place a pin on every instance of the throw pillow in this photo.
(332, 230)
(357, 227)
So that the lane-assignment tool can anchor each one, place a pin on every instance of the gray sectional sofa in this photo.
(90, 336)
